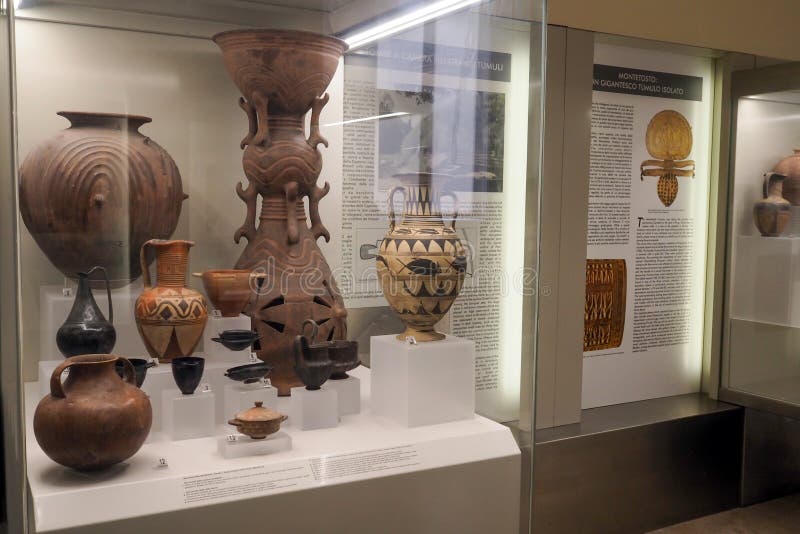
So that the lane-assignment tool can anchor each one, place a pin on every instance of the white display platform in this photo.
(238, 445)
(240, 397)
(187, 416)
(767, 280)
(423, 384)
(214, 327)
(348, 392)
(355, 478)
(55, 307)
(313, 410)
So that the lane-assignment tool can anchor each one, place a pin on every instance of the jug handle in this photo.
(390, 204)
(108, 290)
(455, 206)
(143, 263)
(314, 329)
(57, 391)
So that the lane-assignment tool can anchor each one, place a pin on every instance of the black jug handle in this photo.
(108, 290)
(314, 329)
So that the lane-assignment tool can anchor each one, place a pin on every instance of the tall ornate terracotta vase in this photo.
(170, 316)
(93, 193)
(421, 262)
(282, 75)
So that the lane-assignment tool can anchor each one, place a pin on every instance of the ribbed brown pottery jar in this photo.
(169, 315)
(421, 262)
(95, 419)
(94, 193)
(283, 75)
(790, 168)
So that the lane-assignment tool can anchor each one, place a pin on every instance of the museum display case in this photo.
(361, 326)
(760, 365)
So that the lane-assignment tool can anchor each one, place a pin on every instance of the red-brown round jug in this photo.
(95, 419)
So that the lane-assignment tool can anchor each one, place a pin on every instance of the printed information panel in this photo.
(648, 201)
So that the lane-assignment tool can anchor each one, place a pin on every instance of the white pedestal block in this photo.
(766, 284)
(311, 410)
(348, 391)
(54, 308)
(423, 384)
(214, 327)
(187, 416)
(240, 397)
(246, 446)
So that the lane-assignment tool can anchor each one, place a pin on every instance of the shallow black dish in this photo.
(236, 339)
(187, 372)
(252, 372)
(140, 367)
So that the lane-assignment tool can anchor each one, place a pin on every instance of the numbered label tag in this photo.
(232, 438)
(162, 462)
(266, 383)
(66, 291)
(253, 357)
(216, 313)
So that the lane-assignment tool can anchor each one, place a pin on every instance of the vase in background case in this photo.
(421, 261)
(86, 330)
(95, 419)
(94, 193)
(283, 75)
(772, 214)
(170, 316)
(789, 167)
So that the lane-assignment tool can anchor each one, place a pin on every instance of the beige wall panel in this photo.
(762, 28)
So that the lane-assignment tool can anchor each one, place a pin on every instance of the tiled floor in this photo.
(781, 516)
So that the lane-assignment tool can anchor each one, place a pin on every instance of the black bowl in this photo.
(140, 367)
(312, 364)
(238, 334)
(187, 372)
(252, 372)
(344, 355)
(237, 339)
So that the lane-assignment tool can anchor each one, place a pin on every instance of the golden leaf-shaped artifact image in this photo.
(604, 312)
(669, 141)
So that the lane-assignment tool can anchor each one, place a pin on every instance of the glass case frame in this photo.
(748, 356)
(12, 267)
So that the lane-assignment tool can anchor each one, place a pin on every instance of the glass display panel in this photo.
(228, 238)
(765, 225)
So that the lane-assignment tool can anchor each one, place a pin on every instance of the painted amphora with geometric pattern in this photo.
(421, 262)
(170, 316)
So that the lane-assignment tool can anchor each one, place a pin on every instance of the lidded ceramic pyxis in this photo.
(258, 422)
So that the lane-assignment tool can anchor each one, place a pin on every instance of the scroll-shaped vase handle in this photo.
(455, 206)
(390, 204)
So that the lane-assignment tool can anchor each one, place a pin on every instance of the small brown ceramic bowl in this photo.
(258, 422)
(228, 290)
